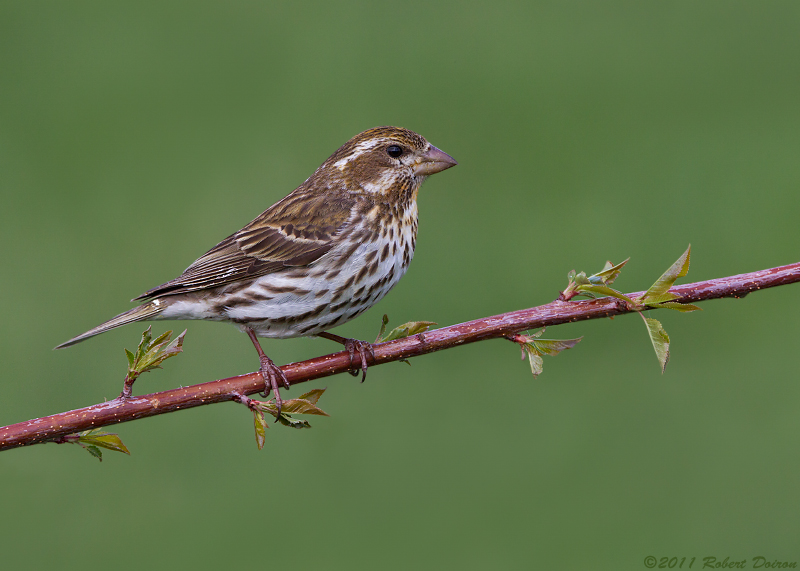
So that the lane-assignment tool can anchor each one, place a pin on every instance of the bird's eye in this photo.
(394, 151)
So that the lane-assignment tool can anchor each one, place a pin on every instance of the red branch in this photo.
(112, 412)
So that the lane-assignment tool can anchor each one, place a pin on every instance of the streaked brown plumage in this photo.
(314, 260)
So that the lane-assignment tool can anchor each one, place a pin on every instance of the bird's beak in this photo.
(433, 161)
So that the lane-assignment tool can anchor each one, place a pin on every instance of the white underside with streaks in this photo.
(271, 318)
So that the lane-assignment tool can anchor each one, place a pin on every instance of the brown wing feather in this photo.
(296, 231)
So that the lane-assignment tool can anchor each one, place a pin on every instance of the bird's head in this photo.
(383, 161)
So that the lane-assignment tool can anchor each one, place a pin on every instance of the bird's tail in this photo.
(141, 313)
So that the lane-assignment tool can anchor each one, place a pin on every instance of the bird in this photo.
(316, 259)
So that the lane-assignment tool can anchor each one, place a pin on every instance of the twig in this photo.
(122, 410)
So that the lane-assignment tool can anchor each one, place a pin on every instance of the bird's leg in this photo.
(269, 371)
(353, 345)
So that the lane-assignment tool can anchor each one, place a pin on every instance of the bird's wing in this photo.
(296, 231)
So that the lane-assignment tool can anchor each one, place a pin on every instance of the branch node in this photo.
(127, 386)
(242, 399)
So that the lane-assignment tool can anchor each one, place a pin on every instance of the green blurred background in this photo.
(135, 136)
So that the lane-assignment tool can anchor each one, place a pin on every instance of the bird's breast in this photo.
(355, 274)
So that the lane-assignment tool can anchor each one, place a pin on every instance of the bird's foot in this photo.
(271, 374)
(363, 348)
(269, 371)
(352, 346)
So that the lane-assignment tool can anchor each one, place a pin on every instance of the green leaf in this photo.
(406, 330)
(94, 451)
(105, 440)
(293, 422)
(677, 270)
(260, 426)
(605, 290)
(146, 337)
(609, 273)
(596, 284)
(312, 396)
(300, 406)
(554, 346)
(161, 338)
(536, 363)
(160, 352)
(306, 404)
(535, 348)
(151, 353)
(384, 323)
(660, 340)
(664, 297)
(130, 359)
(581, 279)
(588, 294)
(683, 307)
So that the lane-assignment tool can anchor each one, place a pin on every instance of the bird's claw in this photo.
(353, 345)
(363, 348)
(271, 373)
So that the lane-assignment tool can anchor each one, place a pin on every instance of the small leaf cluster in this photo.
(148, 356)
(93, 440)
(402, 331)
(152, 352)
(657, 296)
(534, 348)
(305, 404)
(595, 285)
